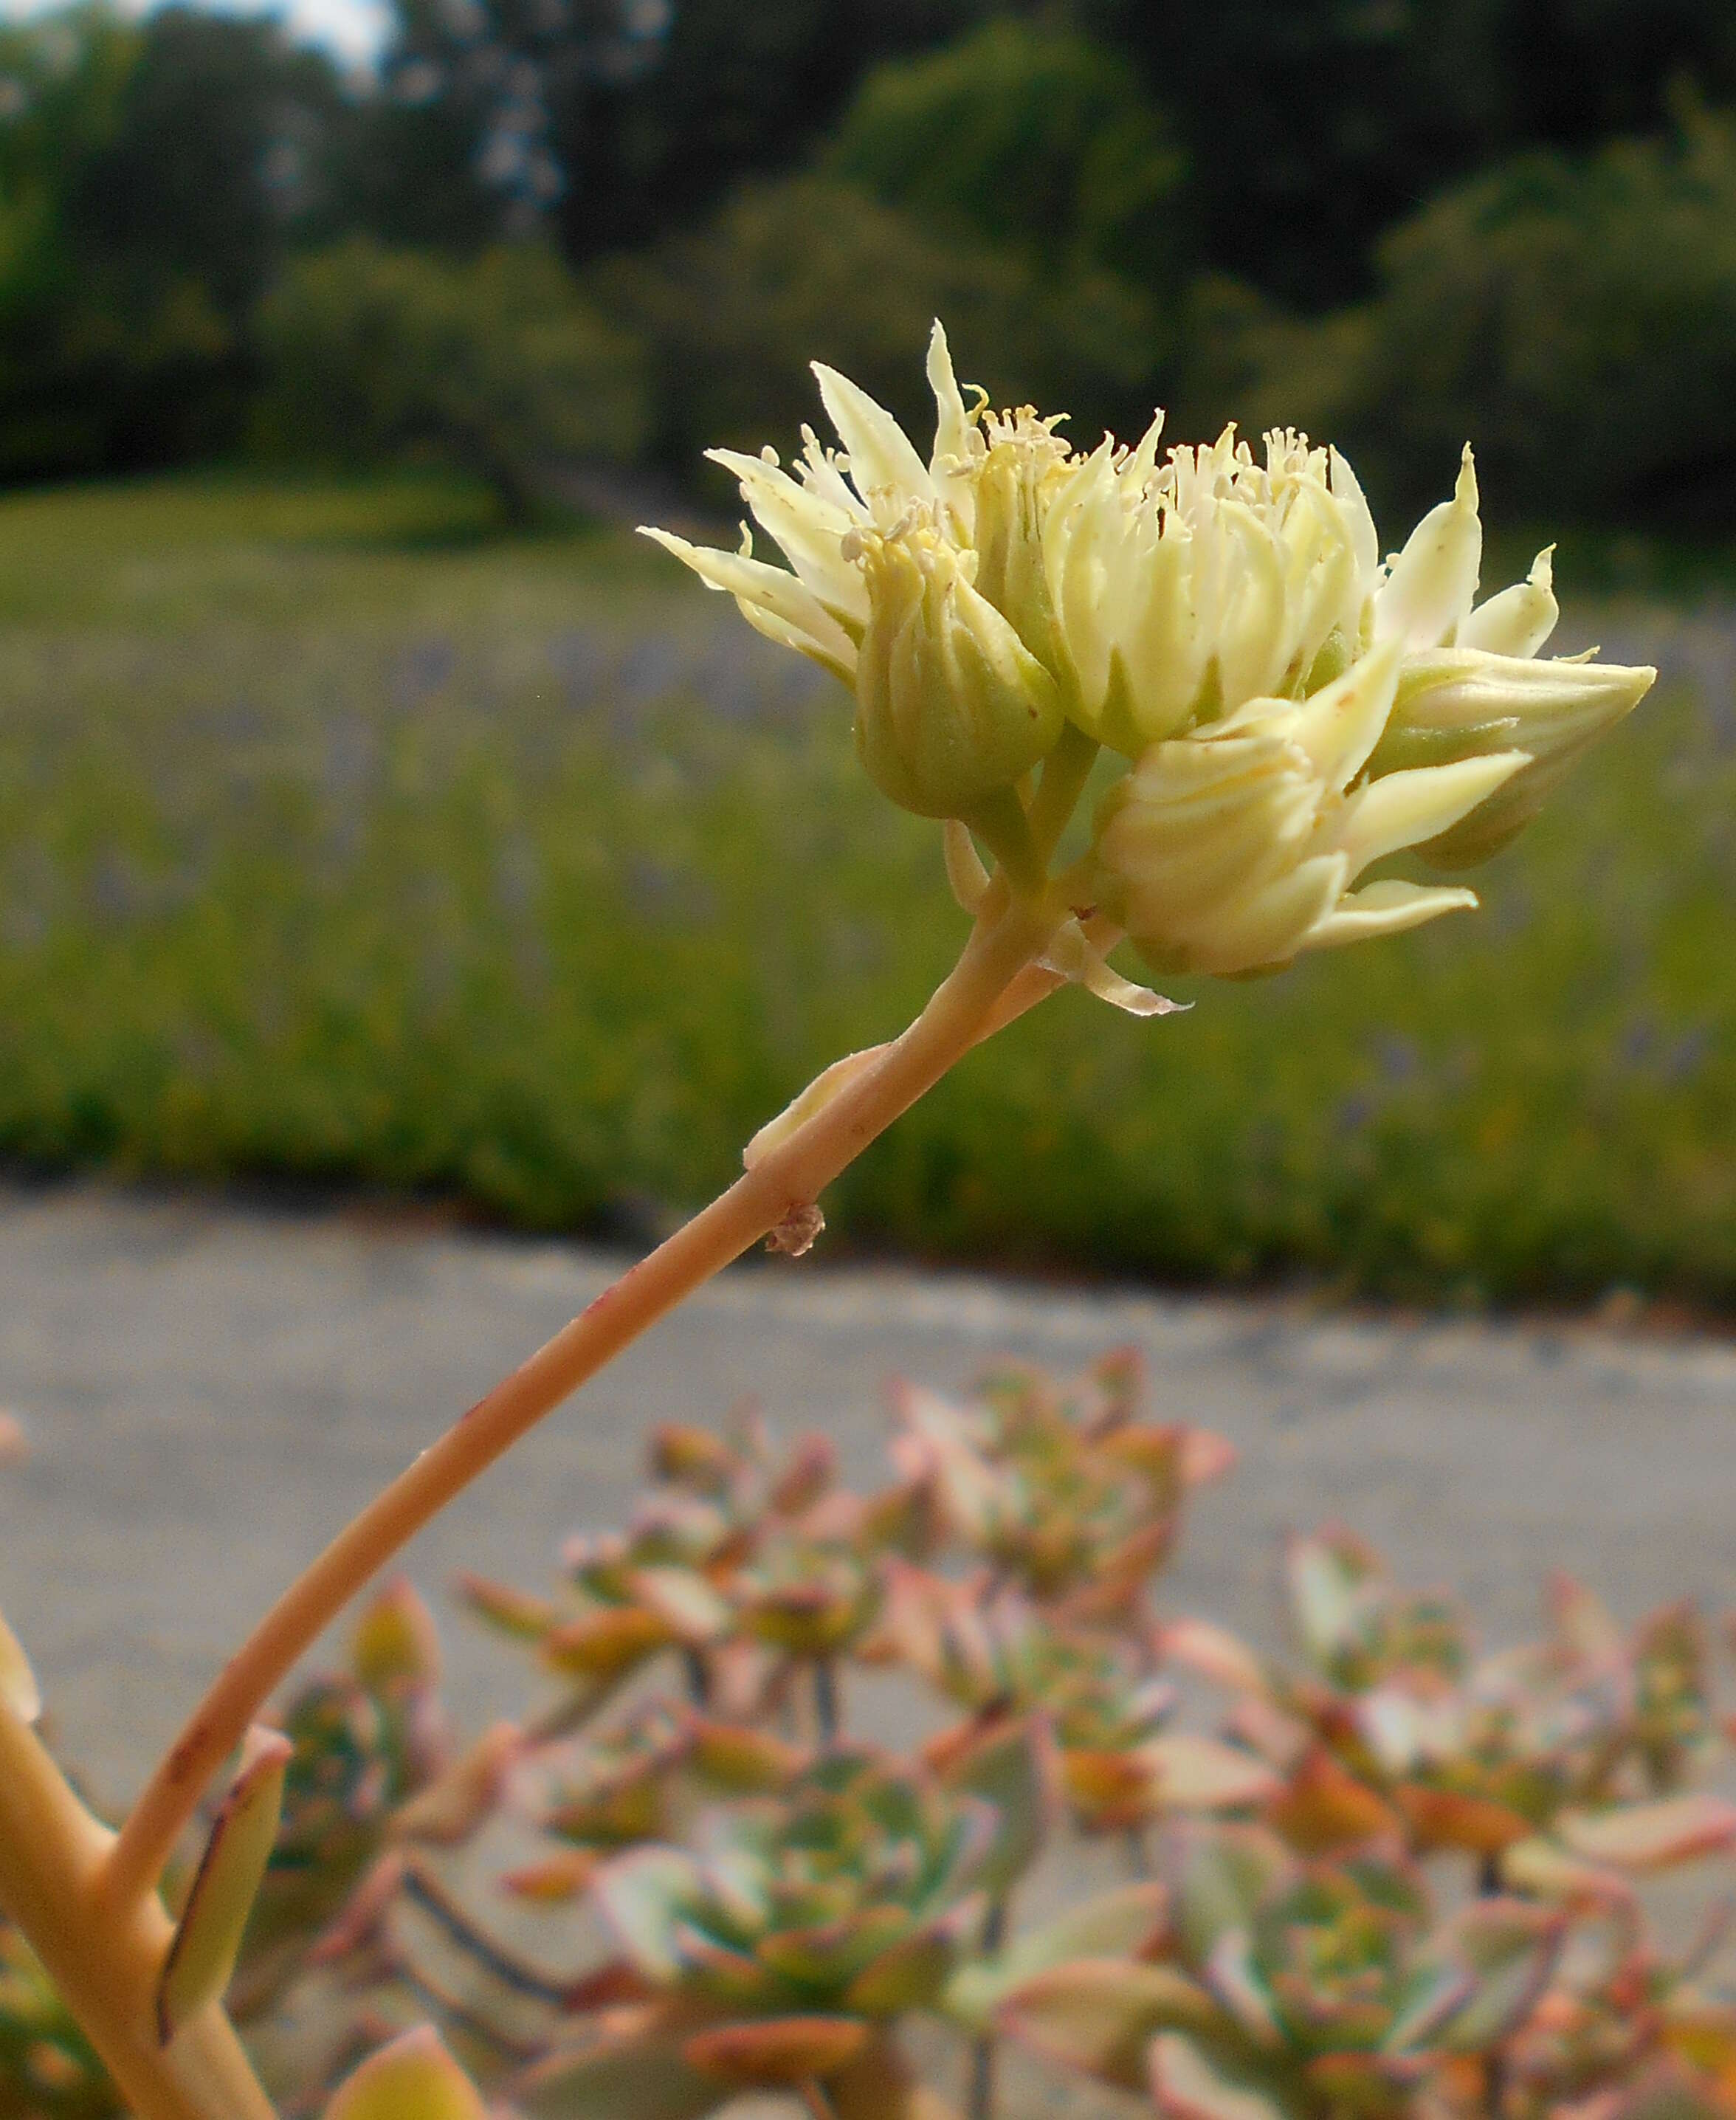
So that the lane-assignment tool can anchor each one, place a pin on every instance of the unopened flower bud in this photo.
(951, 707)
(1461, 703)
(1231, 850)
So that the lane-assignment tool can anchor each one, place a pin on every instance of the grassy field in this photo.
(343, 839)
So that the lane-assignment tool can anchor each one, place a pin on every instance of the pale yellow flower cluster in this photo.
(1294, 708)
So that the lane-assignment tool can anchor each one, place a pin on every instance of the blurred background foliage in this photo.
(364, 816)
(1409, 219)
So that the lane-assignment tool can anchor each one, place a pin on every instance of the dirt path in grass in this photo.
(207, 1389)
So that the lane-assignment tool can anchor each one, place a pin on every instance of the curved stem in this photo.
(106, 1961)
(1007, 936)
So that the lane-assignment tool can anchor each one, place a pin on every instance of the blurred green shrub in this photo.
(1576, 319)
(1028, 136)
(150, 174)
(807, 268)
(494, 365)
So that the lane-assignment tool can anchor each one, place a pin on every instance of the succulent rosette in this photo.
(1561, 1766)
(1108, 1712)
(721, 1538)
(605, 1790)
(783, 1946)
(808, 1598)
(1065, 1491)
(1281, 1987)
(1621, 2011)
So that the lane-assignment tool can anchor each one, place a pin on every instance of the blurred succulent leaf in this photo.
(1235, 1979)
(1651, 1836)
(607, 1645)
(1012, 1770)
(691, 1456)
(452, 1807)
(1097, 2014)
(555, 1880)
(1194, 1773)
(834, 1951)
(207, 1938)
(688, 1605)
(1438, 1994)
(880, 2085)
(414, 2078)
(643, 1896)
(512, 1612)
(1326, 1572)
(774, 2051)
(739, 1760)
(807, 1475)
(1213, 1651)
(1184, 2085)
(1445, 1817)
(1326, 1808)
(1510, 1947)
(1584, 1624)
(395, 1642)
(1543, 1867)
(18, 1688)
(635, 2071)
(908, 1975)
(1223, 1875)
(1108, 1788)
(1121, 1923)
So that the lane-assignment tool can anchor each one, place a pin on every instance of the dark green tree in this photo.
(1027, 135)
(1311, 126)
(151, 178)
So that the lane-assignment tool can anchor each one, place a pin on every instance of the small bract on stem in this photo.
(1289, 711)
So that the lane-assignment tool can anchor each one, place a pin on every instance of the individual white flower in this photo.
(951, 707)
(1233, 848)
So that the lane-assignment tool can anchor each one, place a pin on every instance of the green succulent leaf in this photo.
(1011, 1772)
(645, 1897)
(1115, 1924)
(414, 2078)
(1226, 1874)
(395, 1642)
(913, 1971)
(1098, 2014)
(207, 1938)
(643, 2077)
(1184, 2085)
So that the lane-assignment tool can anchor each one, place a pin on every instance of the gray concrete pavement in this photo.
(209, 1390)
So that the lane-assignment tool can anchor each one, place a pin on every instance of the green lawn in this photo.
(343, 838)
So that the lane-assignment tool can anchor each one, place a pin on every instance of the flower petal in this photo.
(1402, 809)
(1385, 909)
(809, 530)
(1427, 593)
(881, 456)
(1520, 619)
(771, 599)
